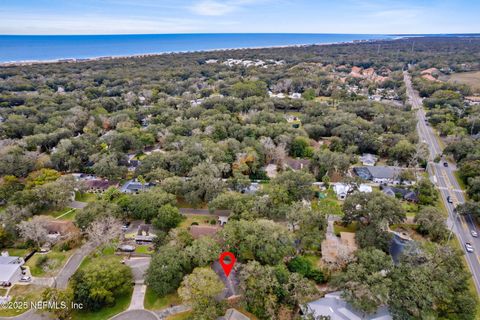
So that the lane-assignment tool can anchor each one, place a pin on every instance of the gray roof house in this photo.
(405, 194)
(338, 309)
(134, 186)
(368, 159)
(380, 174)
(233, 314)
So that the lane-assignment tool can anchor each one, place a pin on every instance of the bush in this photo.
(41, 261)
(305, 267)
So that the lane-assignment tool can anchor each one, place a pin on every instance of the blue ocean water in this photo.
(41, 48)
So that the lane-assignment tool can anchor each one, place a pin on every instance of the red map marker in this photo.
(227, 264)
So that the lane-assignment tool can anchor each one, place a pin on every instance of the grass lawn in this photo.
(18, 252)
(154, 302)
(460, 181)
(69, 216)
(337, 228)
(180, 316)
(471, 79)
(144, 249)
(56, 213)
(314, 260)
(22, 293)
(85, 196)
(3, 292)
(121, 304)
(200, 219)
(55, 262)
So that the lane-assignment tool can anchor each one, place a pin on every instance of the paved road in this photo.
(204, 212)
(61, 281)
(445, 181)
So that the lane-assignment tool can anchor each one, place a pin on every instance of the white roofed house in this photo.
(10, 268)
(341, 190)
(368, 159)
(334, 306)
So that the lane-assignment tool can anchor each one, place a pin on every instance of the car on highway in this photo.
(25, 279)
(449, 200)
(474, 233)
(468, 247)
(445, 164)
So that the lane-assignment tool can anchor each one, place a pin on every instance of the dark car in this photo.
(449, 200)
(445, 164)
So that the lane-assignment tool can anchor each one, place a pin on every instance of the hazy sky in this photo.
(213, 16)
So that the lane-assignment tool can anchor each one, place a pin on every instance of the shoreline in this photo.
(154, 54)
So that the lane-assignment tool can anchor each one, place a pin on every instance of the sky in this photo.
(242, 16)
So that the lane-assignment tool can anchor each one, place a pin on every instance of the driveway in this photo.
(61, 281)
(77, 204)
(231, 282)
(139, 266)
(136, 315)
(205, 212)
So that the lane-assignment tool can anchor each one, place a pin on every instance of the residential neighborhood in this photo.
(341, 181)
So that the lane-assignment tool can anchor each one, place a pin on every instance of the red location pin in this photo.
(228, 264)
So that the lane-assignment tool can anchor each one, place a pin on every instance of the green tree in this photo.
(168, 217)
(261, 240)
(298, 184)
(40, 177)
(300, 147)
(365, 283)
(100, 283)
(427, 194)
(431, 223)
(199, 290)
(203, 251)
(249, 89)
(166, 270)
(60, 302)
(95, 210)
(309, 226)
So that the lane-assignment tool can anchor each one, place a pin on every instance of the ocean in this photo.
(47, 48)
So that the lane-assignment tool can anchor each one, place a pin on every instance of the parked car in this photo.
(449, 200)
(25, 279)
(474, 233)
(445, 164)
(468, 247)
(6, 284)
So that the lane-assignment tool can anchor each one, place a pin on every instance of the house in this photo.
(98, 185)
(222, 220)
(295, 95)
(252, 188)
(10, 268)
(333, 305)
(60, 229)
(368, 159)
(202, 231)
(134, 186)
(380, 174)
(297, 164)
(233, 314)
(341, 190)
(405, 194)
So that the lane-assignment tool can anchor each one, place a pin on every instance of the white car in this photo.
(25, 279)
(468, 247)
(474, 233)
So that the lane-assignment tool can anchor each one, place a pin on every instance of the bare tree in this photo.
(34, 229)
(104, 231)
